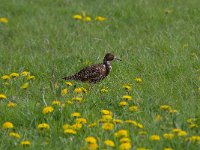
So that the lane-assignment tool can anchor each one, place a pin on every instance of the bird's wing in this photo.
(90, 72)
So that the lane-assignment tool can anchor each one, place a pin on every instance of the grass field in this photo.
(150, 100)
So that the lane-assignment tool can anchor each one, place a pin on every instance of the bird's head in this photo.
(110, 57)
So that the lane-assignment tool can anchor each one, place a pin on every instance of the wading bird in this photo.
(94, 73)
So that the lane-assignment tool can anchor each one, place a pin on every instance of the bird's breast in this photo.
(110, 67)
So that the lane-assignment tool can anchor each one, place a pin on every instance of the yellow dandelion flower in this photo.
(11, 104)
(76, 126)
(64, 92)
(106, 112)
(14, 75)
(168, 136)
(5, 77)
(107, 126)
(127, 87)
(142, 148)
(47, 109)
(56, 102)
(102, 120)
(138, 79)
(109, 143)
(157, 118)
(91, 140)
(30, 77)
(68, 83)
(92, 125)
(43, 126)
(191, 120)
(173, 111)
(155, 138)
(118, 121)
(135, 123)
(100, 18)
(69, 102)
(78, 99)
(63, 105)
(78, 90)
(8, 125)
(25, 143)
(25, 85)
(182, 133)
(15, 135)
(107, 117)
(92, 146)
(167, 148)
(77, 17)
(70, 131)
(127, 97)
(123, 103)
(2, 96)
(81, 120)
(125, 146)
(84, 90)
(165, 107)
(176, 130)
(193, 125)
(66, 126)
(3, 20)
(87, 19)
(104, 90)
(125, 140)
(131, 122)
(139, 125)
(121, 133)
(75, 114)
(142, 133)
(25, 73)
(194, 138)
(133, 108)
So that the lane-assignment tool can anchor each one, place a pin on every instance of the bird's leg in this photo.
(89, 86)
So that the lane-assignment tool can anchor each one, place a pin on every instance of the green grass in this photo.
(162, 49)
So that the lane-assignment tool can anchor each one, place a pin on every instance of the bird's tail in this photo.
(69, 78)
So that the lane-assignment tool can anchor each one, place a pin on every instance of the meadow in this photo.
(150, 100)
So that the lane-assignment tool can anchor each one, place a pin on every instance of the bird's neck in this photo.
(107, 65)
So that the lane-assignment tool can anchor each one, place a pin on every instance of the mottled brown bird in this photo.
(94, 73)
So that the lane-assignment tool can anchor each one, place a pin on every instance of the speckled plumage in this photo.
(94, 73)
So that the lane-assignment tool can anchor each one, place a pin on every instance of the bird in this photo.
(96, 72)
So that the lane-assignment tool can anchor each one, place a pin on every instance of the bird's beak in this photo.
(117, 58)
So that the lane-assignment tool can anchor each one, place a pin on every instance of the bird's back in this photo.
(92, 74)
